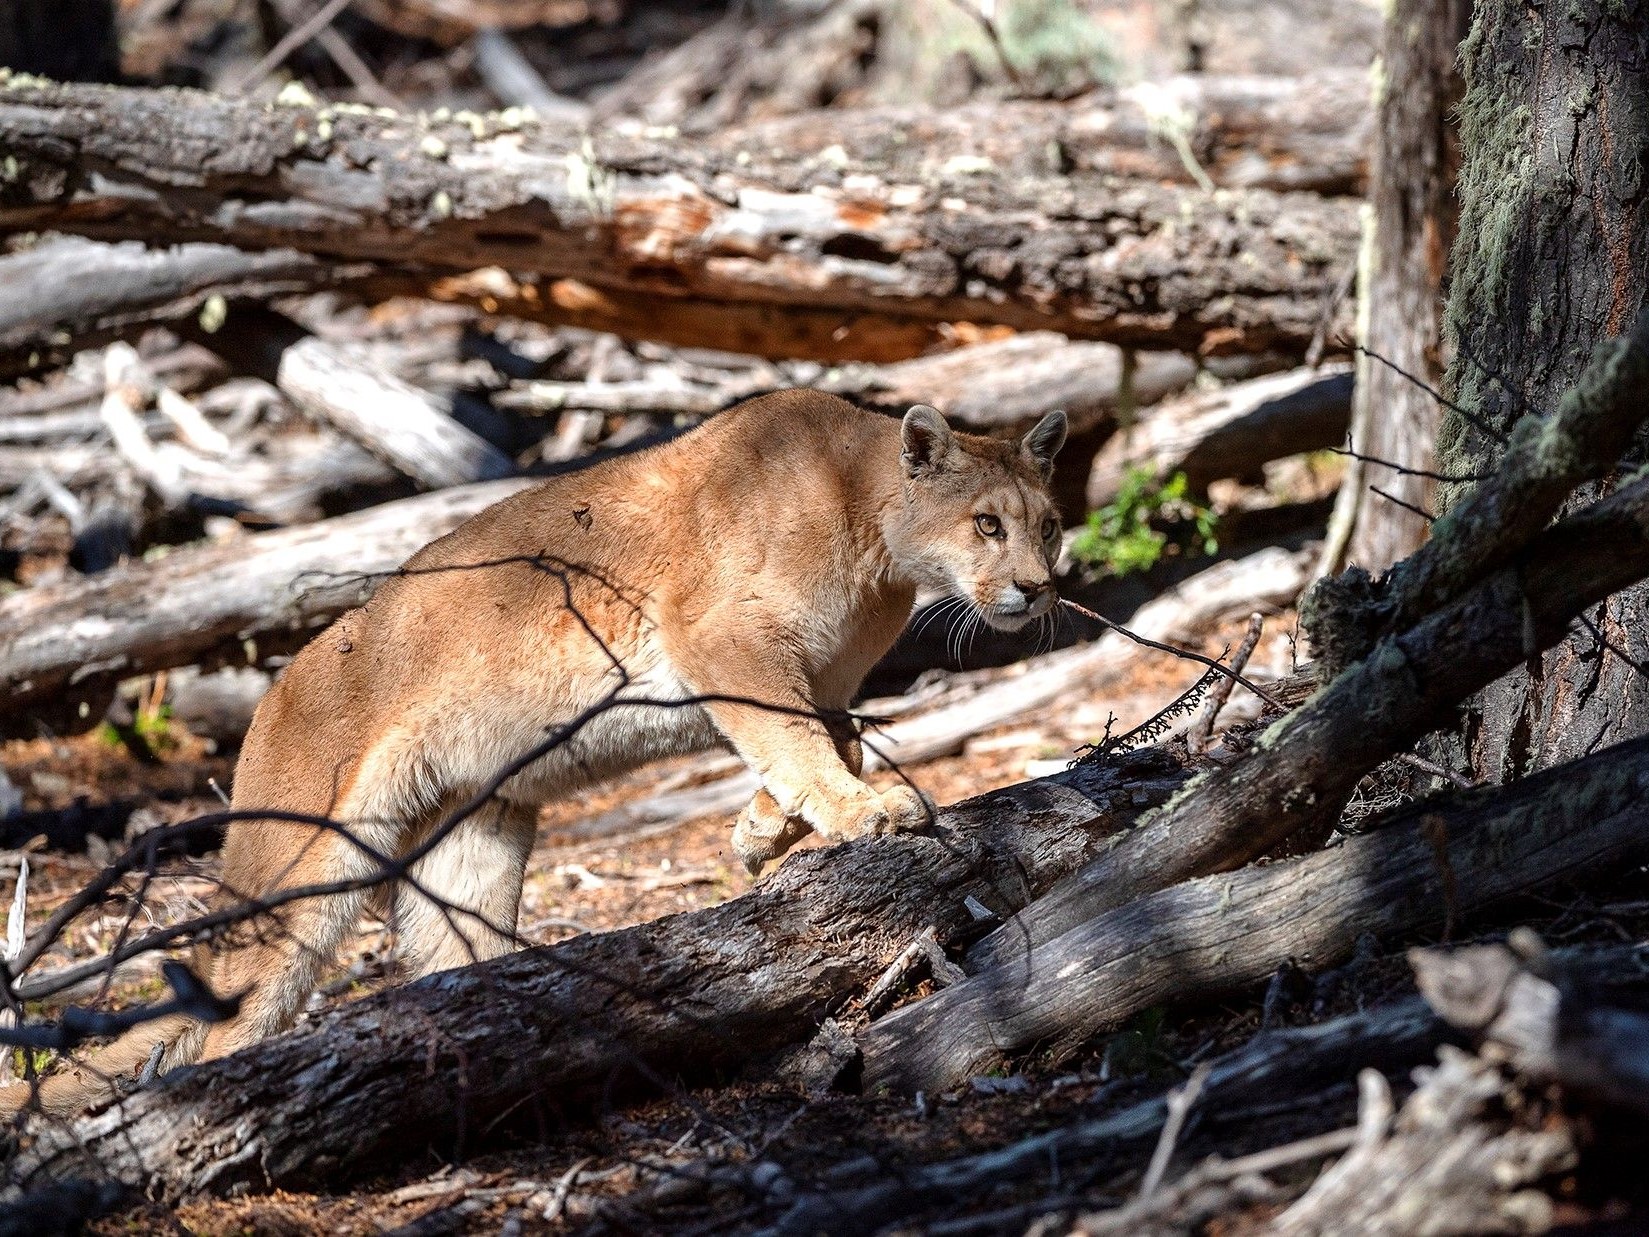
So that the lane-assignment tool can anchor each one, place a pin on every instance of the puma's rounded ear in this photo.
(1047, 436)
(925, 440)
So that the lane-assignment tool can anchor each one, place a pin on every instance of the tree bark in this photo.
(1553, 249)
(545, 1034)
(1407, 238)
(733, 224)
(1212, 937)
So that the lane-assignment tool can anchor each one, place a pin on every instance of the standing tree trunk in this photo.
(1406, 240)
(1552, 255)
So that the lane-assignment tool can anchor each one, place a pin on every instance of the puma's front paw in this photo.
(764, 833)
(905, 808)
(892, 811)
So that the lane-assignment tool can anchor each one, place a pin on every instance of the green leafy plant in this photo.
(153, 729)
(1146, 520)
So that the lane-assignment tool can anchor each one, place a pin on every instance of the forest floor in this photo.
(631, 1170)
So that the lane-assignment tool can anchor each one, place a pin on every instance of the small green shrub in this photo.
(1146, 520)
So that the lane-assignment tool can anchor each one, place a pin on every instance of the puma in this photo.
(735, 583)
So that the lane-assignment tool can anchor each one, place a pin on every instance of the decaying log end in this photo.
(1542, 1019)
(1343, 616)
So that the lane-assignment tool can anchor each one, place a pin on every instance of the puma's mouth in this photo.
(1013, 615)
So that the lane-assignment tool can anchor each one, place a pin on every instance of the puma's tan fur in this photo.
(770, 556)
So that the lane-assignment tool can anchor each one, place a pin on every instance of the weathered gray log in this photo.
(1091, 256)
(1012, 382)
(986, 387)
(1275, 1068)
(1230, 432)
(342, 386)
(1288, 1070)
(71, 642)
(393, 419)
(1237, 132)
(67, 292)
(1210, 937)
(539, 1036)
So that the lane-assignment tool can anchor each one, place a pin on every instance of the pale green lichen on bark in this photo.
(1496, 189)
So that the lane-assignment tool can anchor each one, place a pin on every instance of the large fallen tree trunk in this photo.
(1092, 256)
(1211, 937)
(68, 644)
(541, 1035)
(1237, 132)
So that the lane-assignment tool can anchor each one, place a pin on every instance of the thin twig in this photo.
(1180, 1102)
(294, 38)
(1173, 651)
(1200, 732)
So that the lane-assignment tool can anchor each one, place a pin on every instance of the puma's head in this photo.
(978, 520)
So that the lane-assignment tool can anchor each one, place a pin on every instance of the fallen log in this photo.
(1008, 383)
(1207, 938)
(1289, 1073)
(68, 293)
(1231, 432)
(537, 1037)
(1289, 1069)
(1094, 257)
(1547, 1022)
(68, 644)
(993, 386)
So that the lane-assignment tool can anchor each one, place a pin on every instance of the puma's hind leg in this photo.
(273, 960)
(461, 903)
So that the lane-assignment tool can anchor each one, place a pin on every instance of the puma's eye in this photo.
(988, 525)
(1050, 528)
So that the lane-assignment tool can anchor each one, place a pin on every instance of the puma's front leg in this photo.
(764, 833)
(805, 771)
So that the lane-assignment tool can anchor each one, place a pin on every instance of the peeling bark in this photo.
(1088, 255)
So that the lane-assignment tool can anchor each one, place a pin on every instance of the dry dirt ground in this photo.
(624, 1173)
